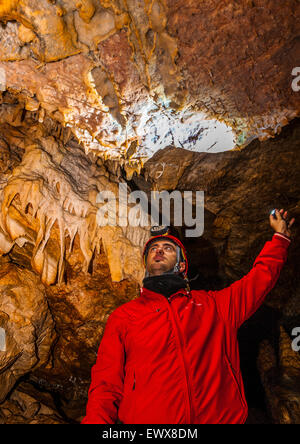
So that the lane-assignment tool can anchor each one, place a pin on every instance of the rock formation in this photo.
(153, 95)
(28, 332)
(282, 383)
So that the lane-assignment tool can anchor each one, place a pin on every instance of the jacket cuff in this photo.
(282, 236)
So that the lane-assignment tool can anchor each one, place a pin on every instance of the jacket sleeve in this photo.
(241, 299)
(107, 380)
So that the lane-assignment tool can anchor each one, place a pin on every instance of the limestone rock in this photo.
(27, 327)
(204, 77)
(281, 382)
(50, 197)
(23, 409)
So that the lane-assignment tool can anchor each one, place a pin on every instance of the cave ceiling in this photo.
(131, 77)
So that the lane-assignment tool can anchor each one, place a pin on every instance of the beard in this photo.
(158, 268)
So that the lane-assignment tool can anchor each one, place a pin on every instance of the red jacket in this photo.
(177, 361)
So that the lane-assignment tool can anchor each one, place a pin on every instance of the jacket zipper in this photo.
(179, 338)
(232, 371)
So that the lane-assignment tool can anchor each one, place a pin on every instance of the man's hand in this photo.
(280, 224)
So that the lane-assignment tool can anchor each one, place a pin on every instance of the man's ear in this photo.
(182, 266)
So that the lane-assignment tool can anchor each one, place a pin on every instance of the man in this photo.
(171, 355)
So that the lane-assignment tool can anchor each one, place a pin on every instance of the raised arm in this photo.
(106, 387)
(240, 300)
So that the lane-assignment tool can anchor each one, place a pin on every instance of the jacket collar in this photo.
(158, 297)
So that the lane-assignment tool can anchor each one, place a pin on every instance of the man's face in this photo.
(162, 257)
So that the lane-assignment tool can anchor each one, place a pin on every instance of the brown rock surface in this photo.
(281, 382)
(27, 327)
(21, 408)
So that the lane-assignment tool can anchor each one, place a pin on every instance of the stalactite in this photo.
(36, 181)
